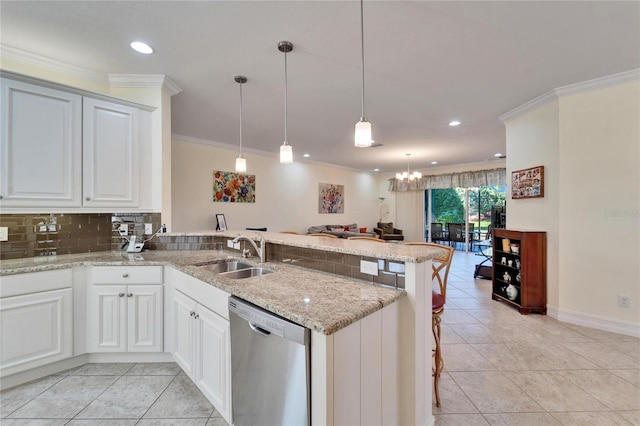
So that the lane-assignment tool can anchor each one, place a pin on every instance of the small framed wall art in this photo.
(221, 222)
(527, 183)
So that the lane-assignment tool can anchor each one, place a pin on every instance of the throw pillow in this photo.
(352, 227)
(387, 228)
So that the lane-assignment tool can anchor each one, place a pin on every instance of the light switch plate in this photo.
(148, 228)
(124, 229)
(4, 233)
(369, 268)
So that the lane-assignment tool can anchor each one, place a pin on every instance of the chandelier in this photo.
(408, 175)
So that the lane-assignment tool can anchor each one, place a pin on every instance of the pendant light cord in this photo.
(240, 119)
(285, 98)
(362, 51)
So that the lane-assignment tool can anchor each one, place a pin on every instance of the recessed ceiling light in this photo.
(454, 123)
(376, 170)
(141, 47)
(434, 162)
(497, 155)
(306, 155)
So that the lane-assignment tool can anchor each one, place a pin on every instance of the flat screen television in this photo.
(498, 217)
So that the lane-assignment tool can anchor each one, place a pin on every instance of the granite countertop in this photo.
(319, 301)
(389, 251)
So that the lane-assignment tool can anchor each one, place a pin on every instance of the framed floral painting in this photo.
(230, 187)
(330, 198)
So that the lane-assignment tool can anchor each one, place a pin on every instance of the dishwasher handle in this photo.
(256, 329)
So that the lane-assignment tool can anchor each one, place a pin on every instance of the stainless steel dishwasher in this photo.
(270, 363)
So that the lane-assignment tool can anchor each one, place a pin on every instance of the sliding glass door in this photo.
(448, 206)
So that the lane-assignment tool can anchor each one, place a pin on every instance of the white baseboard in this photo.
(77, 361)
(40, 372)
(595, 321)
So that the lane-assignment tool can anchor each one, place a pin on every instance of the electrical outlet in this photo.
(236, 245)
(624, 301)
(4, 233)
(369, 268)
(148, 228)
(230, 243)
(124, 229)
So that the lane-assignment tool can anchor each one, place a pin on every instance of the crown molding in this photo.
(572, 89)
(534, 103)
(145, 80)
(51, 64)
(599, 83)
(207, 142)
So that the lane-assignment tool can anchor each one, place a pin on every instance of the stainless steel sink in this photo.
(246, 273)
(232, 265)
(235, 269)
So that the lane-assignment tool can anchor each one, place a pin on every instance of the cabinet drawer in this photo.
(125, 275)
(35, 282)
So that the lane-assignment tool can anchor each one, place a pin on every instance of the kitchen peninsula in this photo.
(371, 346)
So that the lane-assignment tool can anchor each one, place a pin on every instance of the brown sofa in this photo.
(387, 232)
(341, 231)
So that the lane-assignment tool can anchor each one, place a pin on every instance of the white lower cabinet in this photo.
(202, 348)
(125, 318)
(125, 310)
(37, 329)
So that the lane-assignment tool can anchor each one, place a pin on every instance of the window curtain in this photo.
(451, 180)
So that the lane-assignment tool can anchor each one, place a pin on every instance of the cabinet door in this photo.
(37, 329)
(144, 318)
(213, 360)
(183, 310)
(110, 154)
(41, 146)
(107, 318)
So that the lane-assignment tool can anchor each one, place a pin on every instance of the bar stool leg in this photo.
(437, 354)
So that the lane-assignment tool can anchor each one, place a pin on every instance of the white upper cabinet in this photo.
(41, 146)
(110, 154)
(73, 152)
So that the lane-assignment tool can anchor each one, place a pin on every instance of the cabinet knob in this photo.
(197, 316)
(87, 198)
(130, 295)
(121, 295)
(1, 197)
(191, 313)
(125, 275)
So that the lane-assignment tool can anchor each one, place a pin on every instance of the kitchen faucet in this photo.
(246, 253)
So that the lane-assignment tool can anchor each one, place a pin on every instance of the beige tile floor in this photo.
(110, 394)
(503, 368)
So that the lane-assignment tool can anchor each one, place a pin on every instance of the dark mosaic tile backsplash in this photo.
(47, 234)
(50, 234)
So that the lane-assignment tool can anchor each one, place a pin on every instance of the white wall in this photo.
(286, 195)
(600, 202)
(589, 143)
(533, 140)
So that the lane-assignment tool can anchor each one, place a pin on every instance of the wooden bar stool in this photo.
(440, 271)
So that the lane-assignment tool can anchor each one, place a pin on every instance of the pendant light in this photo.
(241, 162)
(363, 127)
(408, 175)
(286, 151)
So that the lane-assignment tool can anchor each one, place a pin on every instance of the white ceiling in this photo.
(427, 63)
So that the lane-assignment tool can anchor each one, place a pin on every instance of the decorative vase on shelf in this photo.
(512, 292)
(506, 277)
(506, 245)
